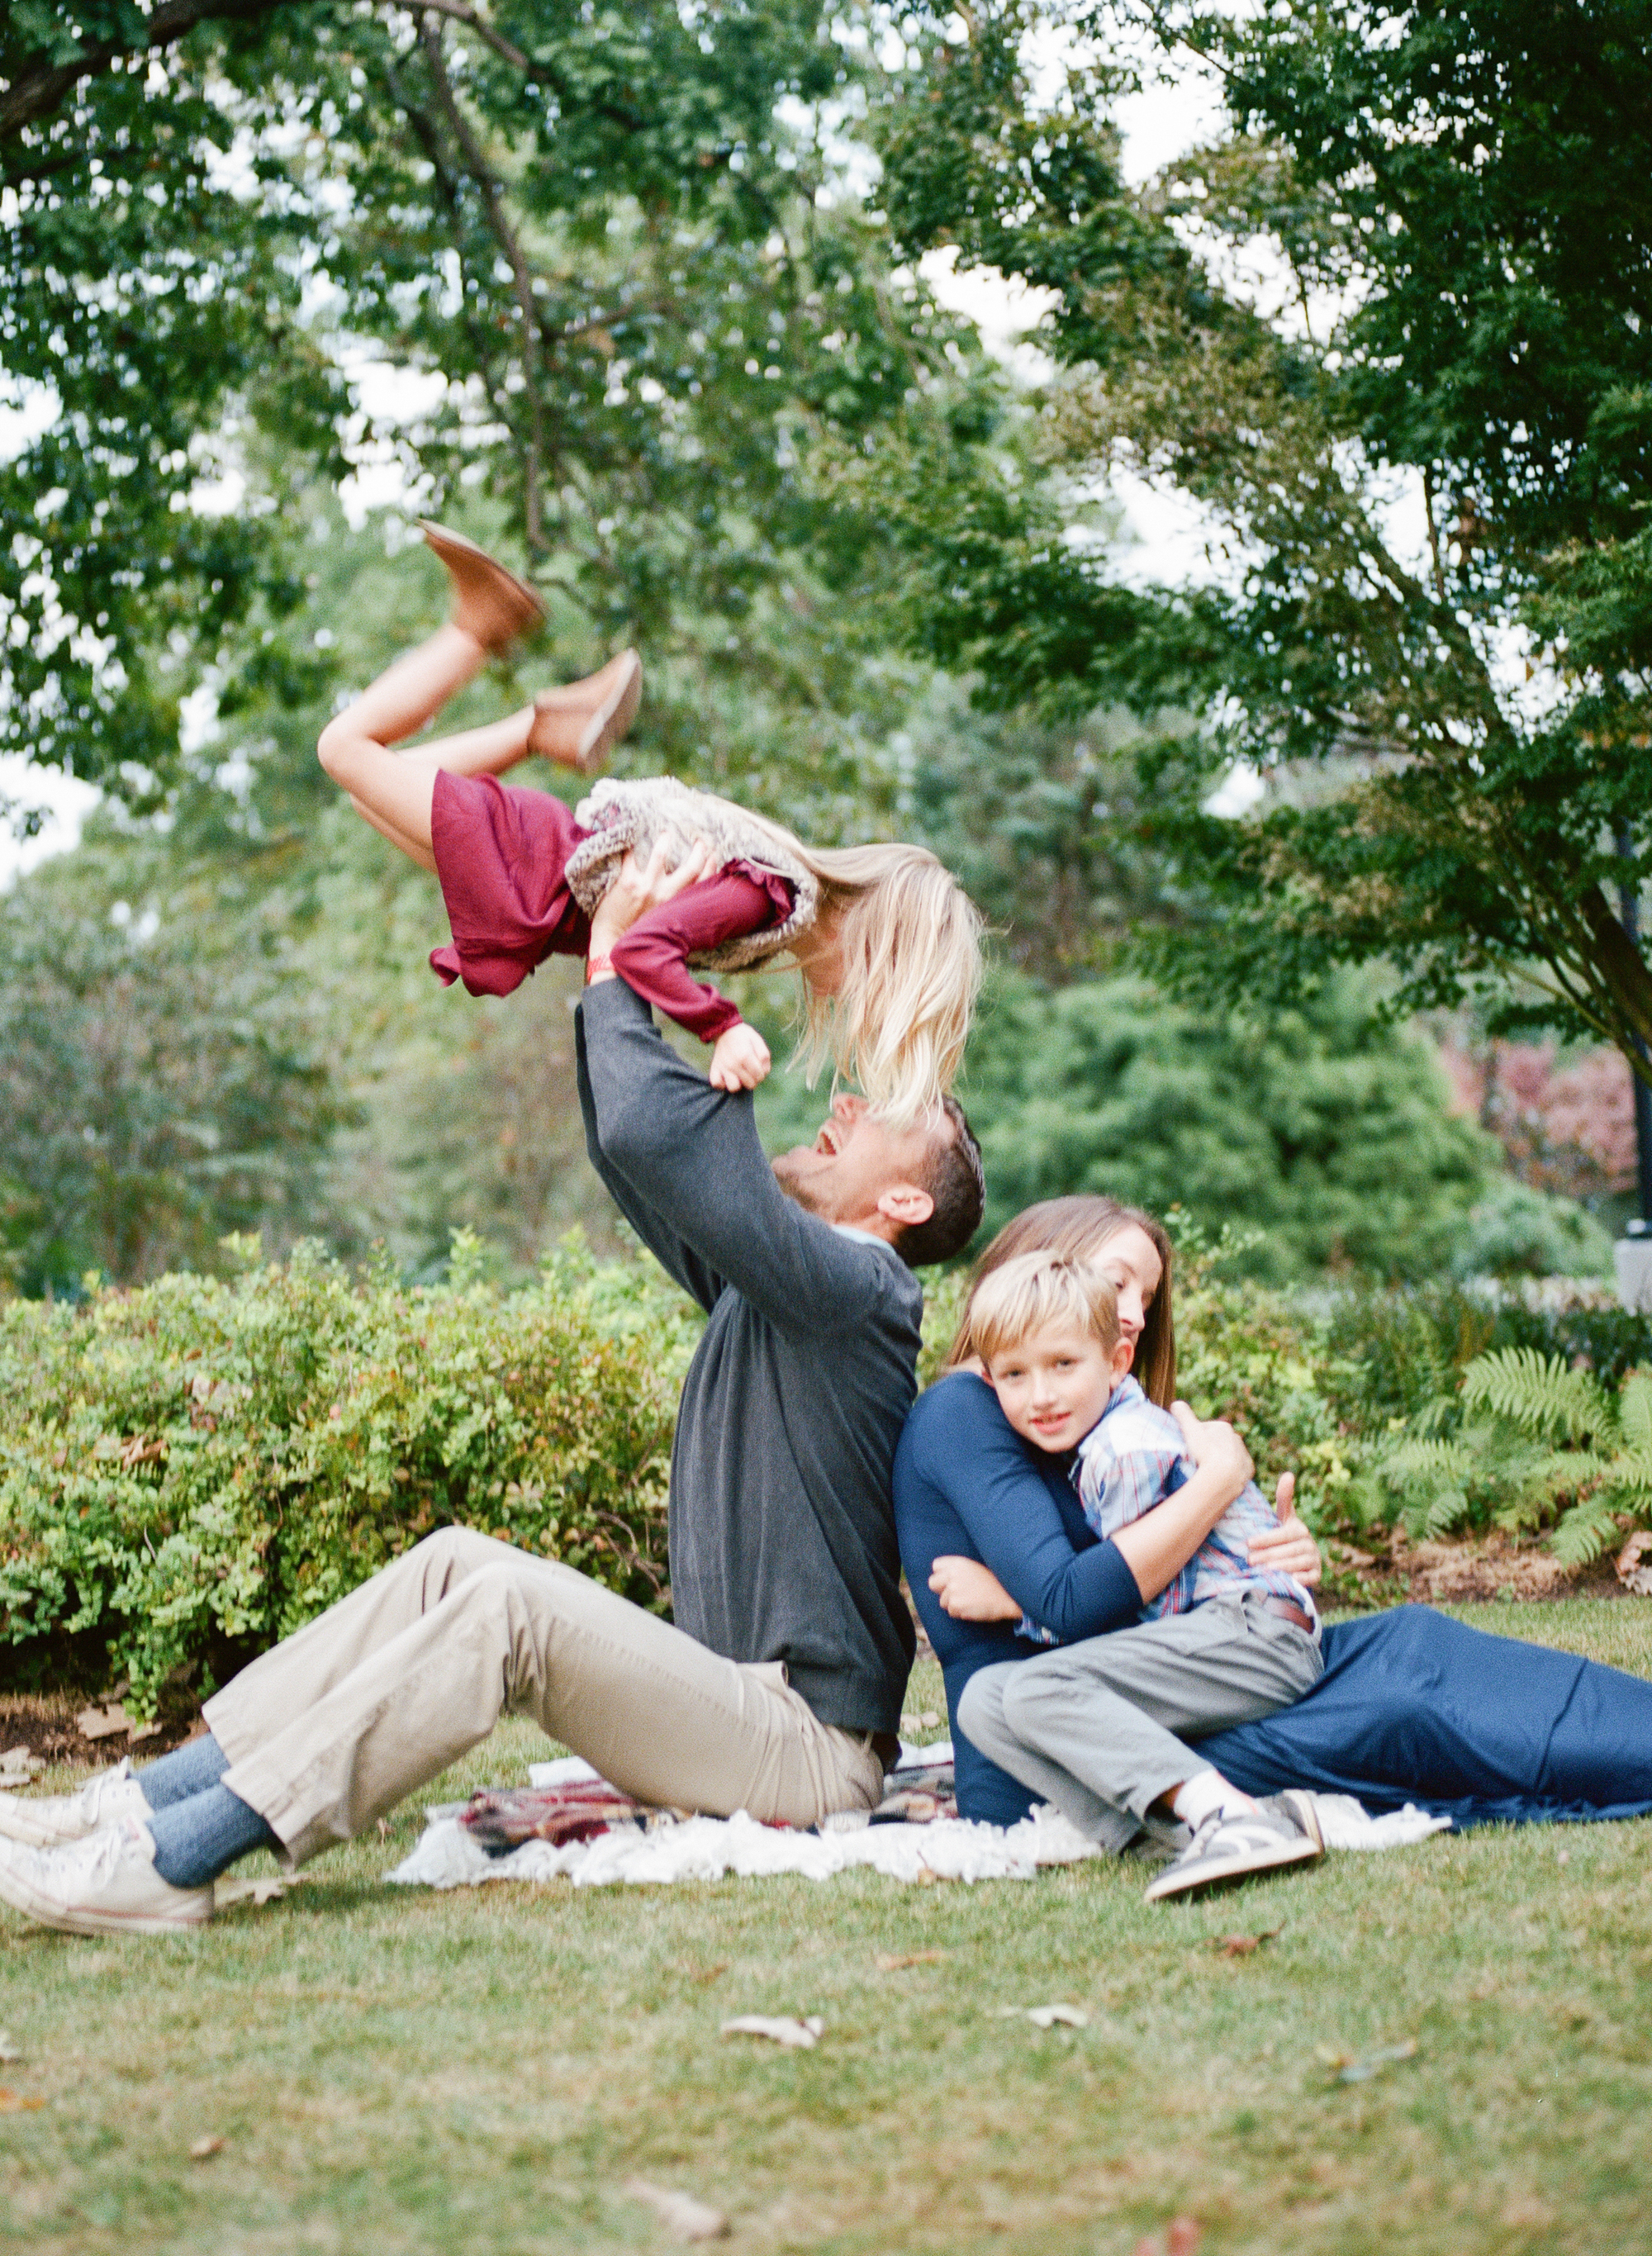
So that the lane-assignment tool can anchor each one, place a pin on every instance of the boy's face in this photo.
(1053, 1386)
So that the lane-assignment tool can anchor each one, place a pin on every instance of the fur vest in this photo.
(632, 817)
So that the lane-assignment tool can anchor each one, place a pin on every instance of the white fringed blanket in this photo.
(712, 1848)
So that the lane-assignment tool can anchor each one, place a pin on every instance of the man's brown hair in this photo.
(955, 1179)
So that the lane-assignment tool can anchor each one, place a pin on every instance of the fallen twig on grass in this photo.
(1346, 2068)
(684, 2217)
(267, 1890)
(781, 2029)
(1241, 1946)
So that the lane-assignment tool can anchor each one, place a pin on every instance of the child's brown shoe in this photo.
(579, 724)
(488, 603)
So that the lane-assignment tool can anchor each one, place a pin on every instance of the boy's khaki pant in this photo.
(1101, 1727)
(333, 1725)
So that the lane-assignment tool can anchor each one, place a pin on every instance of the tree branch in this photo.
(40, 91)
(430, 141)
(505, 234)
(1434, 531)
(461, 14)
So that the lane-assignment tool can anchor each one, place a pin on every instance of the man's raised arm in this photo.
(685, 1165)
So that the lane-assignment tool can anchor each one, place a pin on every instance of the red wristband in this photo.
(595, 964)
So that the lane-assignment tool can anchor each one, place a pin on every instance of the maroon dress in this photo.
(501, 853)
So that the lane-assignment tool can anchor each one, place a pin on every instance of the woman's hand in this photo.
(1289, 1549)
(740, 1059)
(1212, 1443)
(640, 886)
(969, 1592)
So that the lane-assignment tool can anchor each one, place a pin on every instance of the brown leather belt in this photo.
(1288, 1609)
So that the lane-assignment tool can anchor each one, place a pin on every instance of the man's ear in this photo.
(1123, 1356)
(906, 1204)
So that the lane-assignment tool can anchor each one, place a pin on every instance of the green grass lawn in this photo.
(484, 2070)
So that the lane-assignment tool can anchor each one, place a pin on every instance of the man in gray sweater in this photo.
(778, 1689)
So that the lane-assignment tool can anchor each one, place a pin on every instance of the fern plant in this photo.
(1527, 1437)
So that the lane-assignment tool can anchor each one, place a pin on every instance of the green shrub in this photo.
(1254, 1356)
(1527, 1439)
(191, 1471)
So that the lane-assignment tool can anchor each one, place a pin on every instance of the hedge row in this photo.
(191, 1471)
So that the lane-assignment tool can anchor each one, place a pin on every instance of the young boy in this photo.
(1225, 1642)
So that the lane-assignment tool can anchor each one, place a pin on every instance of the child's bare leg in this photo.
(393, 791)
(423, 855)
(408, 696)
(487, 750)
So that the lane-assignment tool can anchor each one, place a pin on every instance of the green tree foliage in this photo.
(1042, 823)
(1323, 1129)
(1454, 726)
(163, 1073)
(191, 1471)
(609, 248)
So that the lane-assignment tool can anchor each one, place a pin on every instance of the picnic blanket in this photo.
(569, 1823)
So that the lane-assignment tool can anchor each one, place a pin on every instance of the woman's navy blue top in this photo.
(1412, 1706)
(965, 1485)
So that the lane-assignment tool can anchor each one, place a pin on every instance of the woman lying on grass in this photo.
(1410, 1706)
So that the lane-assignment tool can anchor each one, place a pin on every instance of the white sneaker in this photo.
(50, 1821)
(106, 1885)
(1231, 1845)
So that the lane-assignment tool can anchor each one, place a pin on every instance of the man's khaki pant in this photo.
(333, 1725)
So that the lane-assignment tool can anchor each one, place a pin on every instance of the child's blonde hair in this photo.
(1035, 1291)
(910, 939)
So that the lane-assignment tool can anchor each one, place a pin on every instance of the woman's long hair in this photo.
(1079, 1227)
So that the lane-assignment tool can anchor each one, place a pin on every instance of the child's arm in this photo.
(1155, 1546)
(1161, 1540)
(651, 959)
(969, 1592)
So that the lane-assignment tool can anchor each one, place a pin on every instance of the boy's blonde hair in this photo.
(1035, 1291)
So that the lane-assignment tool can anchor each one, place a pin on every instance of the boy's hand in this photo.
(969, 1592)
(740, 1059)
(1289, 1549)
(1212, 1441)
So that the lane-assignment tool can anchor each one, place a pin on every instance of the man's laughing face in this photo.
(854, 1162)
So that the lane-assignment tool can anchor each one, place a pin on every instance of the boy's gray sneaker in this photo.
(52, 1821)
(1299, 1807)
(1232, 1846)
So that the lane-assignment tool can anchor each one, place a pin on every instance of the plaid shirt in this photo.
(1131, 1459)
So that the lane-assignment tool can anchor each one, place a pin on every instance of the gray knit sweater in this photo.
(782, 1534)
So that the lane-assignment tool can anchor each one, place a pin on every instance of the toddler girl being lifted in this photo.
(888, 944)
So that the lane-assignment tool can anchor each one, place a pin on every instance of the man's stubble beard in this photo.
(799, 1189)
